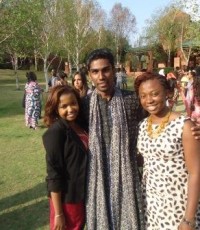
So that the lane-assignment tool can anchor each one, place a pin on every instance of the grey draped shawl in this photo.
(119, 206)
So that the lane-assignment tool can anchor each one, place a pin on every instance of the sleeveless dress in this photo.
(165, 176)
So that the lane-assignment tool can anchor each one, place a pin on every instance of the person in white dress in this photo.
(171, 171)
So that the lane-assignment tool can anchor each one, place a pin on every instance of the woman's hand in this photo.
(59, 219)
(196, 132)
(59, 222)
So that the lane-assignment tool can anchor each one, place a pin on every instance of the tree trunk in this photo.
(59, 64)
(46, 74)
(117, 55)
(169, 58)
(36, 60)
(15, 67)
(77, 59)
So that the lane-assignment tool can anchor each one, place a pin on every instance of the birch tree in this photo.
(45, 34)
(15, 36)
(85, 14)
(122, 23)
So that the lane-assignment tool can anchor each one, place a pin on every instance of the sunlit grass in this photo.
(23, 201)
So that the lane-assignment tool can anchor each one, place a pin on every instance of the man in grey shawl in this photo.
(114, 199)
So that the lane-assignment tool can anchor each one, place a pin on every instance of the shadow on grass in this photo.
(27, 210)
(23, 197)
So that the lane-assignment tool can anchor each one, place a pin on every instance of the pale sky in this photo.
(142, 9)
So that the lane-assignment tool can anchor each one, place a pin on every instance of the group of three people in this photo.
(96, 176)
(32, 99)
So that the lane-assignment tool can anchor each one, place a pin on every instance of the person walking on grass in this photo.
(32, 101)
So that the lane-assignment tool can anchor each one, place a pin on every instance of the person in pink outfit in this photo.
(194, 111)
(32, 100)
(187, 93)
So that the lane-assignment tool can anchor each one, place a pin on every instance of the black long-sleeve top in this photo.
(66, 159)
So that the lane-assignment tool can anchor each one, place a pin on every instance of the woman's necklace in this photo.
(156, 132)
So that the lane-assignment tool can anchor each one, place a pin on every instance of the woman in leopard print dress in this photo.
(171, 173)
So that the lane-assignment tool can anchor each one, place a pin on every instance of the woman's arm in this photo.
(192, 159)
(59, 219)
(53, 141)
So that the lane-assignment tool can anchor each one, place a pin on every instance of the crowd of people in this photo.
(94, 141)
(184, 85)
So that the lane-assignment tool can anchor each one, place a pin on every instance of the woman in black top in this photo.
(66, 144)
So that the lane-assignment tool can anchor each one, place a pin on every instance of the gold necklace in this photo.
(155, 133)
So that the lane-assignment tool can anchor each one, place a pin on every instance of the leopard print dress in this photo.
(165, 176)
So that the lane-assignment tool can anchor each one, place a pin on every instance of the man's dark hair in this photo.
(102, 53)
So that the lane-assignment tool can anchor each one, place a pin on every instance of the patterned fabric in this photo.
(165, 176)
(195, 114)
(32, 103)
(189, 97)
(114, 195)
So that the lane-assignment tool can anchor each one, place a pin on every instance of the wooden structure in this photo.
(146, 60)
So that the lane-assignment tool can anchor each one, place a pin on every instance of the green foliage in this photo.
(171, 27)
(71, 29)
(159, 54)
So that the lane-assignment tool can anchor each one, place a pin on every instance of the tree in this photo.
(84, 33)
(77, 32)
(44, 33)
(165, 29)
(46, 29)
(122, 23)
(173, 26)
(192, 34)
(15, 36)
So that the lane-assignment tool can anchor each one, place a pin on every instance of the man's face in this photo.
(102, 74)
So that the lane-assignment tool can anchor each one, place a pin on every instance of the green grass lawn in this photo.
(23, 201)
